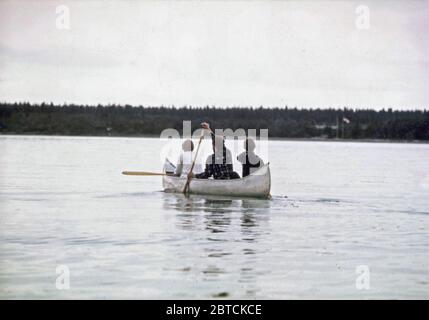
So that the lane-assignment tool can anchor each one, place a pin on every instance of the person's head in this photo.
(218, 144)
(249, 145)
(188, 145)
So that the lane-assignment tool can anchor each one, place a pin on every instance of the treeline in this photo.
(50, 119)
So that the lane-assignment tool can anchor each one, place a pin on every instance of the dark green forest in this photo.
(115, 120)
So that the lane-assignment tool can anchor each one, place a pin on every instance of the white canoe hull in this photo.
(258, 184)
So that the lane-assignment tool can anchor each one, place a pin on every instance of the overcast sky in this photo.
(271, 53)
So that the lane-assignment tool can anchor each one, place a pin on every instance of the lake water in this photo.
(346, 220)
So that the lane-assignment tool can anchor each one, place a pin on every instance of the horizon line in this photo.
(226, 107)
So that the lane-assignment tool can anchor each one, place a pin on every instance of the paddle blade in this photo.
(142, 173)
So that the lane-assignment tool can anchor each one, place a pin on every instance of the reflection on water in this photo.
(218, 213)
(231, 229)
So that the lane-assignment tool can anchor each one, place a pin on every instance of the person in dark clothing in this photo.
(219, 164)
(249, 160)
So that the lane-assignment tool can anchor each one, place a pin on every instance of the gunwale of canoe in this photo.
(257, 185)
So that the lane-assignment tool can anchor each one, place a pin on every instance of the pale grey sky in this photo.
(224, 53)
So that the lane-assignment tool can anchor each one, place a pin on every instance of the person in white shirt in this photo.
(185, 160)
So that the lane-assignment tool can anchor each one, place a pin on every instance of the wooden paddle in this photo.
(186, 188)
(143, 173)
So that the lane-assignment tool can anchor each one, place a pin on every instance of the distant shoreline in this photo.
(283, 123)
(270, 138)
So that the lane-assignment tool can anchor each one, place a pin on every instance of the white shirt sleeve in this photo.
(179, 166)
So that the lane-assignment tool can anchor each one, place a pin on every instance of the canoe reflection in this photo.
(229, 238)
(216, 214)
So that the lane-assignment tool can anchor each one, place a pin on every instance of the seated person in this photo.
(219, 164)
(249, 160)
(185, 160)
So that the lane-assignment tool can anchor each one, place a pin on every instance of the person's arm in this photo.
(208, 172)
(206, 126)
(258, 159)
(179, 167)
(203, 175)
(242, 158)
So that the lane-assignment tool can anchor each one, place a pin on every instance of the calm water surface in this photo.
(335, 206)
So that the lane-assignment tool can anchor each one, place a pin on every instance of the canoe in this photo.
(257, 184)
